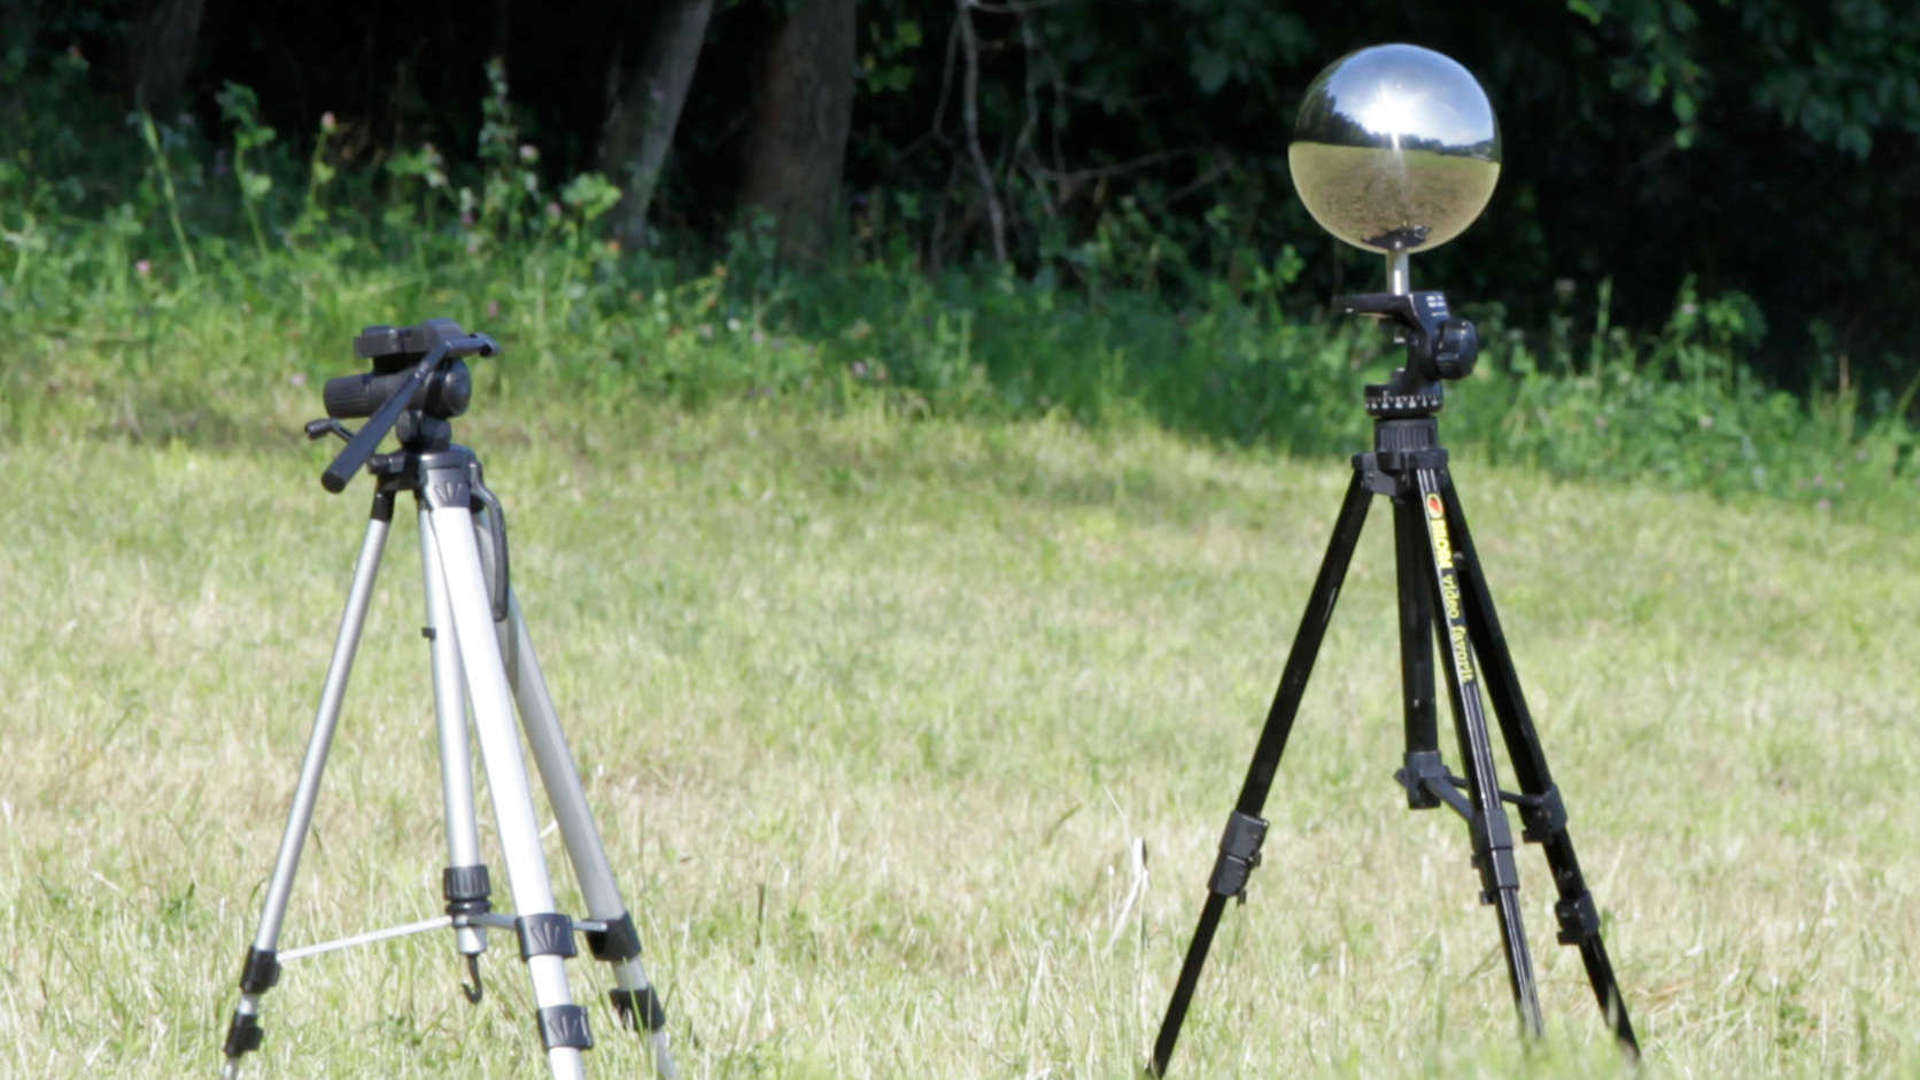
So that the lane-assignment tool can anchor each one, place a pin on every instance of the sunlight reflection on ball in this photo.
(1395, 149)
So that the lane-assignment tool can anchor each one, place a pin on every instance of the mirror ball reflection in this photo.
(1395, 149)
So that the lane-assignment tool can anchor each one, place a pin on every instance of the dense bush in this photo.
(163, 281)
(1765, 147)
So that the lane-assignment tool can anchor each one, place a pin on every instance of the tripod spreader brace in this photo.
(1541, 816)
(608, 940)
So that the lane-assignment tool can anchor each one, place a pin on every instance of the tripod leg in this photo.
(465, 881)
(262, 966)
(546, 937)
(1240, 844)
(1416, 654)
(633, 997)
(1543, 813)
(1487, 822)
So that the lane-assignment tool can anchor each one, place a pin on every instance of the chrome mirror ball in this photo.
(1395, 149)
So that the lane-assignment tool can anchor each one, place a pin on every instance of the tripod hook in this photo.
(472, 987)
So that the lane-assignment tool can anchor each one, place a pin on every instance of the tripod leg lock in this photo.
(1542, 815)
(1493, 855)
(545, 934)
(619, 941)
(466, 889)
(1239, 854)
(637, 1008)
(565, 1025)
(260, 971)
(1579, 919)
(243, 1035)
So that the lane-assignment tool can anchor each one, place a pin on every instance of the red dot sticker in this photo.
(1435, 508)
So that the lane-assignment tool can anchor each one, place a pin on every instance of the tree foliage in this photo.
(1765, 147)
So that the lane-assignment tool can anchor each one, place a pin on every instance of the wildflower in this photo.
(143, 268)
(327, 122)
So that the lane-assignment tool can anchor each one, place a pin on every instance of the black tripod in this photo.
(1442, 593)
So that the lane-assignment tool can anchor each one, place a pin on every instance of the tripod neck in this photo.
(426, 448)
(1401, 445)
(420, 432)
(1406, 434)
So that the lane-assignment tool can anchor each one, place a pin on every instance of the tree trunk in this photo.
(803, 110)
(641, 119)
(163, 50)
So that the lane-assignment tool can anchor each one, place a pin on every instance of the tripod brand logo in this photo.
(448, 493)
(1442, 542)
(1449, 586)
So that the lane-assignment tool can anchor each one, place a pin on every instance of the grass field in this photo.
(876, 715)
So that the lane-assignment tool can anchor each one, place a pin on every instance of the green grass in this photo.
(875, 712)
(894, 618)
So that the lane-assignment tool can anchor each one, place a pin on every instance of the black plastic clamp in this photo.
(467, 889)
(1579, 919)
(1541, 816)
(565, 1025)
(638, 1007)
(1493, 857)
(1239, 854)
(1429, 784)
(260, 971)
(243, 1035)
(545, 934)
(619, 941)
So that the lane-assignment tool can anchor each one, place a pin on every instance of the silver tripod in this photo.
(481, 656)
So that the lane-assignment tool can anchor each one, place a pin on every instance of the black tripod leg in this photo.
(1240, 845)
(1487, 822)
(1543, 813)
(1416, 655)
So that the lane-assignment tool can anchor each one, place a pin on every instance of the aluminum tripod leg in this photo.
(262, 967)
(1240, 844)
(1487, 818)
(465, 881)
(546, 935)
(1543, 813)
(633, 997)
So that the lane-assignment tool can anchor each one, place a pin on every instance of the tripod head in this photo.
(1439, 347)
(418, 381)
(1395, 150)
